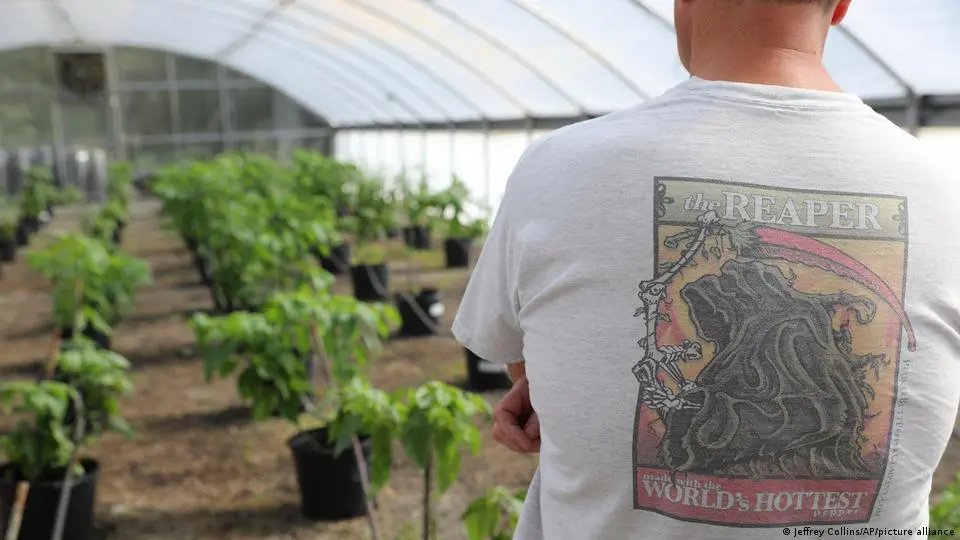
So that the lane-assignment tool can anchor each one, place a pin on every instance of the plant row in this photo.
(76, 395)
(254, 228)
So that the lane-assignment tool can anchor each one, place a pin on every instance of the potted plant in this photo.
(89, 280)
(330, 182)
(45, 481)
(420, 310)
(494, 515)
(374, 212)
(436, 420)
(264, 350)
(460, 231)
(36, 194)
(107, 224)
(120, 185)
(484, 375)
(419, 205)
(8, 233)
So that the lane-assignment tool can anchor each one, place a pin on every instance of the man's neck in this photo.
(760, 44)
(783, 66)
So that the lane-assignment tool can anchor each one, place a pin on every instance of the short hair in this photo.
(824, 3)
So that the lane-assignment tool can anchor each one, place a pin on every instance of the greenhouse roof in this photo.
(462, 63)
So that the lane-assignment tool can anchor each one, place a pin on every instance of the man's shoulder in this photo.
(570, 142)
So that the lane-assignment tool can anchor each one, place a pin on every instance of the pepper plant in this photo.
(453, 202)
(92, 287)
(945, 512)
(120, 184)
(494, 515)
(106, 223)
(40, 445)
(321, 176)
(374, 213)
(269, 351)
(252, 231)
(37, 194)
(9, 216)
(419, 204)
(437, 420)
(100, 377)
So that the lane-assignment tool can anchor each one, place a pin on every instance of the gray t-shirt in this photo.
(738, 308)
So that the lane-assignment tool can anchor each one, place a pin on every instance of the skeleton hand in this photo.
(660, 399)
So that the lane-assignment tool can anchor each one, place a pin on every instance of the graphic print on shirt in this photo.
(770, 342)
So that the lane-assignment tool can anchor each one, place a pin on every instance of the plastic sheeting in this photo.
(385, 62)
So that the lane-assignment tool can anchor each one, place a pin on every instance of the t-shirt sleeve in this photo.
(487, 321)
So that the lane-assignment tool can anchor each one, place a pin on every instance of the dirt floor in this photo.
(197, 468)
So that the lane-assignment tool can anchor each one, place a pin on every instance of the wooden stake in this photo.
(16, 516)
(319, 354)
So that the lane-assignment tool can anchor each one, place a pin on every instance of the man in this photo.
(730, 312)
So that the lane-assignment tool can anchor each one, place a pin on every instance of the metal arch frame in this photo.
(264, 21)
(156, 5)
(373, 101)
(365, 73)
(642, 6)
(398, 52)
(913, 110)
(343, 83)
(258, 25)
(884, 65)
(328, 60)
(276, 13)
(445, 51)
(377, 64)
(585, 47)
(509, 51)
(61, 12)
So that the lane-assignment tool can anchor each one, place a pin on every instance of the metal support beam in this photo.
(255, 29)
(115, 105)
(402, 26)
(486, 163)
(510, 52)
(908, 88)
(596, 55)
(423, 68)
(914, 114)
(174, 94)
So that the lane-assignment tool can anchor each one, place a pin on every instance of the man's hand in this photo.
(515, 423)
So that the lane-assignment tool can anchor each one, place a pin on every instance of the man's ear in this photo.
(840, 12)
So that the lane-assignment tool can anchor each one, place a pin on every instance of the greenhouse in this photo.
(234, 235)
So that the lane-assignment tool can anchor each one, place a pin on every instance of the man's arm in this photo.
(517, 370)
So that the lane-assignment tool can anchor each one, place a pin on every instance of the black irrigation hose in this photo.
(381, 289)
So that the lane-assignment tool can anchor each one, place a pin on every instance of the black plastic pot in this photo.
(330, 487)
(42, 502)
(102, 340)
(420, 318)
(417, 237)
(392, 232)
(484, 375)
(8, 249)
(457, 251)
(22, 234)
(371, 283)
(31, 224)
(338, 262)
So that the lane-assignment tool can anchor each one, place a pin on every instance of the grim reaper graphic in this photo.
(784, 396)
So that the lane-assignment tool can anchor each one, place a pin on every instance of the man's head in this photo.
(711, 24)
